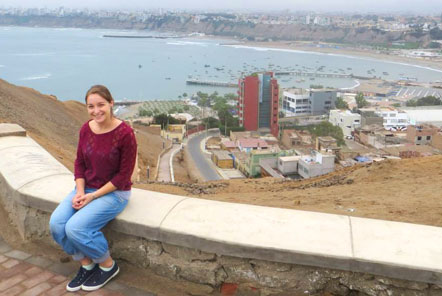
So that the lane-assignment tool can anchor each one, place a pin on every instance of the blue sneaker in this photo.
(81, 277)
(100, 278)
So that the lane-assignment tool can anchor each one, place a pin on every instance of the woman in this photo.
(105, 161)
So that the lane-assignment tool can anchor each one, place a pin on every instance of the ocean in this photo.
(66, 62)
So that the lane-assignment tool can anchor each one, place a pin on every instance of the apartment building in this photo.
(346, 120)
(302, 102)
(258, 103)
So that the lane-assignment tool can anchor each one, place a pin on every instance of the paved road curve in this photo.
(202, 162)
(164, 169)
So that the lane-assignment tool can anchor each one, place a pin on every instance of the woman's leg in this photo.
(57, 225)
(83, 228)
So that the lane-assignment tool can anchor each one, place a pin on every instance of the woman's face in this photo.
(98, 108)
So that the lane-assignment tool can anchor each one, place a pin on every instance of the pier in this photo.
(318, 74)
(211, 83)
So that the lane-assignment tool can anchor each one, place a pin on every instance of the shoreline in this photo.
(342, 50)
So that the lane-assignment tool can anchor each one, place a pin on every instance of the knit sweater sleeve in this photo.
(127, 160)
(79, 165)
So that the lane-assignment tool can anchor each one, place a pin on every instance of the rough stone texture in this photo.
(164, 265)
(129, 248)
(187, 254)
(238, 270)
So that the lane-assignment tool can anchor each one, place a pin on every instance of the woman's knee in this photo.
(73, 232)
(56, 226)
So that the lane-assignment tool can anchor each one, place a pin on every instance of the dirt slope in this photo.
(407, 190)
(55, 124)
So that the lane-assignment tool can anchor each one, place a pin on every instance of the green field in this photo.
(167, 107)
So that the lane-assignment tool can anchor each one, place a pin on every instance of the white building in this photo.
(316, 164)
(299, 102)
(394, 120)
(424, 115)
(288, 164)
(346, 120)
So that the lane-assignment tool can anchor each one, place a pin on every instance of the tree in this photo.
(325, 128)
(231, 97)
(164, 119)
(341, 104)
(360, 101)
(211, 122)
(424, 101)
(156, 111)
(186, 108)
(184, 95)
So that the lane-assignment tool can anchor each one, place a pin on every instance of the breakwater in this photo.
(211, 83)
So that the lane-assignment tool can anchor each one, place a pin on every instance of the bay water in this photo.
(65, 62)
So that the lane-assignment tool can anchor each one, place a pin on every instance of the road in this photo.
(203, 162)
(164, 169)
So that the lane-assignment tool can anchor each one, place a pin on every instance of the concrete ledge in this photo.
(31, 177)
(11, 129)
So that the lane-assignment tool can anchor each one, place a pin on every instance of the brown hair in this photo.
(102, 91)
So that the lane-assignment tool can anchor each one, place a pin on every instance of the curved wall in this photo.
(215, 244)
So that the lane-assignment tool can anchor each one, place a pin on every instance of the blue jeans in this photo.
(78, 231)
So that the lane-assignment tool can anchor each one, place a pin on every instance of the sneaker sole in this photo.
(86, 288)
(69, 289)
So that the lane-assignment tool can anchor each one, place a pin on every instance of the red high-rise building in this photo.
(258, 103)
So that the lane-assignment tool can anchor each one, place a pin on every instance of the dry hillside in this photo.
(407, 190)
(402, 190)
(55, 124)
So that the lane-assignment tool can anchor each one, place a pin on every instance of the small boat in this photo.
(168, 78)
(140, 66)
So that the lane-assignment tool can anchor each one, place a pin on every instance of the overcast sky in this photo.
(363, 6)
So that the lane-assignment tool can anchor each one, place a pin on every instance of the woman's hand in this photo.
(80, 201)
(75, 201)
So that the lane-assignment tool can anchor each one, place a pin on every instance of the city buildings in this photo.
(316, 164)
(258, 103)
(301, 102)
(424, 115)
(346, 120)
(294, 139)
(421, 134)
(369, 117)
(393, 119)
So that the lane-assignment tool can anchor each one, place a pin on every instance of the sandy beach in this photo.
(338, 49)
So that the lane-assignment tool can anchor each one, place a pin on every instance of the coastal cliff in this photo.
(244, 30)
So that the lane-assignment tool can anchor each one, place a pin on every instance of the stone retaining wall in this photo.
(242, 249)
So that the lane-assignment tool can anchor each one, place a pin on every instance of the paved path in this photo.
(164, 169)
(26, 275)
(202, 162)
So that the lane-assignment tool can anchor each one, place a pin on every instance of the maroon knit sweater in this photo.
(106, 157)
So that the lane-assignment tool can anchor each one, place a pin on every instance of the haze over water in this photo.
(66, 62)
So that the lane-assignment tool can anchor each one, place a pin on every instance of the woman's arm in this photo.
(84, 199)
(127, 161)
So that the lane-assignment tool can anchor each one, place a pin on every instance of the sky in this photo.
(354, 6)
